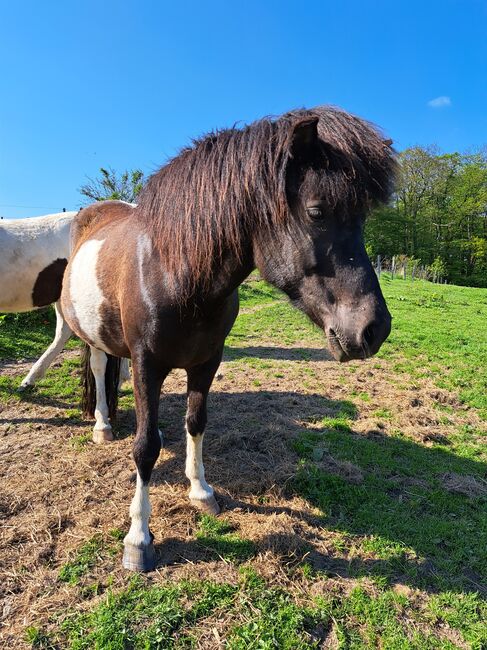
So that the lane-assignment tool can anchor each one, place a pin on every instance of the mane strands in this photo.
(231, 183)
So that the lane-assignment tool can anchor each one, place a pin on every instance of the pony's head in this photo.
(338, 167)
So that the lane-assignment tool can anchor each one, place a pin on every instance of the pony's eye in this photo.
(314, 213)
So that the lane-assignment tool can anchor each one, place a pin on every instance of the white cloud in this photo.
(439, 102)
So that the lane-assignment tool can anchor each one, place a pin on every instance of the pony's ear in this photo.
(304, 136)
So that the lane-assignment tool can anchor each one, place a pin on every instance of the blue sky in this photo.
(125, 84)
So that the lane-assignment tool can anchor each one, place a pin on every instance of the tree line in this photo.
(437, 218)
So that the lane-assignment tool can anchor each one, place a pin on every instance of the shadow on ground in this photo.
(280, 354)
(393, 497)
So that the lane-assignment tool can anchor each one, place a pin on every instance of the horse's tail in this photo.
(112, 378)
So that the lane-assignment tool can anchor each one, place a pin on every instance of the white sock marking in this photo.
(98, 363)
(195, 471)
(140, 510)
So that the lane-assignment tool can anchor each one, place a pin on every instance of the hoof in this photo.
(102, 435)
(208, 506)
(141, 558)
(23, 387)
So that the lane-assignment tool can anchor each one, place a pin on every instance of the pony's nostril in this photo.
(369, 335)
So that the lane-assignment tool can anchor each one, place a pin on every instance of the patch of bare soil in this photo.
(55, 497)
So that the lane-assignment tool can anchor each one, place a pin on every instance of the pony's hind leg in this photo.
(39, 368)
(124, 372)
(102, 431)
(199, 381)
(139, 553)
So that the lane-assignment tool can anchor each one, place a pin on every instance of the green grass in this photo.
(399, 511)
(218, 536)
(439, 331)
(38, 638)
(88, 554)
(27, 335)
(261, 616)
(255, 292)
(60, 387)
(385, 620)
(146, 617)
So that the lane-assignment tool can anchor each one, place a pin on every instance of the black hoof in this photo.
(141, 558)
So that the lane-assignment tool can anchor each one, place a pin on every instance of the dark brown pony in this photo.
(159, 282)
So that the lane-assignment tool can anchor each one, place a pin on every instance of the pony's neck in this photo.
(228, 274)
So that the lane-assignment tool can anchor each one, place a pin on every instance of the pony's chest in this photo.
(183, 340)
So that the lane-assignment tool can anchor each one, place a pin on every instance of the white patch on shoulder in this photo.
(85, 292)
(143, 252)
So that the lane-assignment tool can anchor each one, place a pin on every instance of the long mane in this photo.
(230, 183)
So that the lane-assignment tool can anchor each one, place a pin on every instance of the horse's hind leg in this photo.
(62, 334)
(139, 553)
(124, 372)
(199, 381)
(102, 431)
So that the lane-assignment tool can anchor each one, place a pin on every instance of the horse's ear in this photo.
(304, 136)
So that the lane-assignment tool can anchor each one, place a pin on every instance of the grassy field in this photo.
(354, 496)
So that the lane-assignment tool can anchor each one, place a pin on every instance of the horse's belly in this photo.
(29, 280)
(17, 284)
(15, 300)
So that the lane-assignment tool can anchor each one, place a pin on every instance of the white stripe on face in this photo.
(85, 292)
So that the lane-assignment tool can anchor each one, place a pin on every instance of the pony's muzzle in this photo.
(352, 342)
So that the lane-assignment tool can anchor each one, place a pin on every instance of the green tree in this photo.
(439, 212)
(110, 186)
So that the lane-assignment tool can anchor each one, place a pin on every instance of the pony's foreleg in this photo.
(139, 553)
(39, 368)
(199, 381)
(102, 431)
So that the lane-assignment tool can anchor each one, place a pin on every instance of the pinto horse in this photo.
(159, 283)
(33, 255)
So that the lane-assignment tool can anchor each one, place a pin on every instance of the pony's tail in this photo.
(88, 393)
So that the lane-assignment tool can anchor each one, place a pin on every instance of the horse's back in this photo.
(91, 219)
(33, 255)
